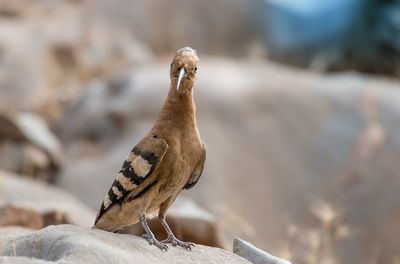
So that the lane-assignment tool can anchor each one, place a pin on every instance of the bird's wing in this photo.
(138, 166)
(198, 170)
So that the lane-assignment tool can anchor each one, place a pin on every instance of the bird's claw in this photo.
(176, 242)
(153, 241)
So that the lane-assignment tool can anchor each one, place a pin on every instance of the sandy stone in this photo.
(73, 244)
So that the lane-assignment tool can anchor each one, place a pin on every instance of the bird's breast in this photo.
(179, 163)
(183, 154)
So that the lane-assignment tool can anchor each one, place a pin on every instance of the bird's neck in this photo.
(179, 110)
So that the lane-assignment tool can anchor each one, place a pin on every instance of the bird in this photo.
(168, 159)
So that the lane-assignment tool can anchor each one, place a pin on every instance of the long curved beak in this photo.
(181, 74)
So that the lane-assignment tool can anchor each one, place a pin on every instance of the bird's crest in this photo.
(187, 49)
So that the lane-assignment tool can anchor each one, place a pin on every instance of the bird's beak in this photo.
(181, 74)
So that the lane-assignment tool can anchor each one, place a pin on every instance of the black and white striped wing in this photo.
(138, 166)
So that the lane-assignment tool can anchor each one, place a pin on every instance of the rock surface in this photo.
(73, 244)
(28, 147)
(28, 218)
(14, 216)
(49, 50)
(254, 254)
(49, 201)
(175, 23)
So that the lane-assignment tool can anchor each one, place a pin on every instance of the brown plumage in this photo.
(167, 160)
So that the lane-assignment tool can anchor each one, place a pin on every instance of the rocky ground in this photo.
(302, 164)
(73, 244)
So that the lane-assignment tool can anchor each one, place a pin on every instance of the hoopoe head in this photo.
(184, 69)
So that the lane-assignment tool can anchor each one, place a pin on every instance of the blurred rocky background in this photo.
(298, 103)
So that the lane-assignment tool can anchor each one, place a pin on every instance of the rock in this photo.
(255, 255)
(14, 230)
(31, 219)
(57, 47)
(36, 131)
(73, 244)
(54, 205)
(28, 146)
(14, 216)
(99, 108)
(27, 160)
(22, 260)
(175, 23)
(55, 218)
(318, 155)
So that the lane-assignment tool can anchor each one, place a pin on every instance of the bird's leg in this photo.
(149, 236)
(171, 237)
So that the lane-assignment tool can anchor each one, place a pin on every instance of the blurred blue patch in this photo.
(387, 30)
(298, 24)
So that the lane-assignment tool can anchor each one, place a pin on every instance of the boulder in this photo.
(177, 23)
(46, 203)
(73, 244)
(14, 230)
(28, 147)
(28, 218)
(50, 49)
(14, 216)
(254, 254)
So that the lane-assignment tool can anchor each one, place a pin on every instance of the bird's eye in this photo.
(195, 69)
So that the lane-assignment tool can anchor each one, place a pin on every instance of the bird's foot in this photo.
(176, 242)
(153, 241)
